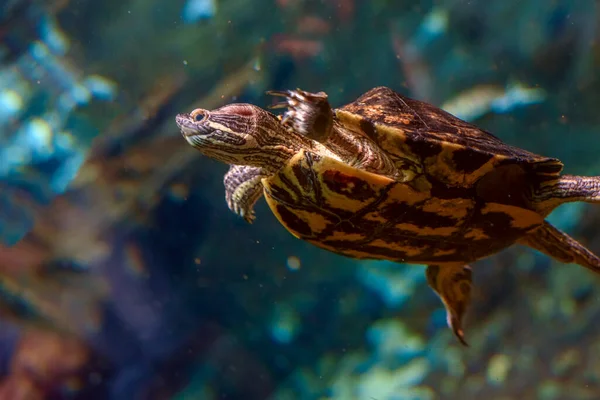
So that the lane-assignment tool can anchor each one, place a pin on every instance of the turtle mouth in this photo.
(189, 127)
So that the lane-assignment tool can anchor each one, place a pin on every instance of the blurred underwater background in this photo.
(123, 275)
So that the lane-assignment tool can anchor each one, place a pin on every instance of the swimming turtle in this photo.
(389, 177)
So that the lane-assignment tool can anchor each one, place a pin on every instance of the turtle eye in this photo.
(198, 114)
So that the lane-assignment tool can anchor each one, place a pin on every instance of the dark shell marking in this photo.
(364, 215)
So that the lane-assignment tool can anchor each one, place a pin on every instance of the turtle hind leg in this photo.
(308, 113)
(560, 246)
(243, 188)
(566, 189)
(452, 283)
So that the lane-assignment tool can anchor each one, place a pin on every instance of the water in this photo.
(124, 271)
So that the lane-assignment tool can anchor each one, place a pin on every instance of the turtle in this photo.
(392, 178)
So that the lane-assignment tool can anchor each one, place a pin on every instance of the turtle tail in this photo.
(566, 189)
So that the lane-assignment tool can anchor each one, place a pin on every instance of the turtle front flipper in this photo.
(243, 188)
(308, 113)
(560, 246)
(452, 283)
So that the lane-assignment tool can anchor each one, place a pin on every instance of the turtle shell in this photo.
(365, 215)
(448, 149)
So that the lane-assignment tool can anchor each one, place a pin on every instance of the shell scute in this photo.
(452, 150)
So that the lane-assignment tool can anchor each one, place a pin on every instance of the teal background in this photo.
(123, 274)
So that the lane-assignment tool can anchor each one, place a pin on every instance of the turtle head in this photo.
(240, 134)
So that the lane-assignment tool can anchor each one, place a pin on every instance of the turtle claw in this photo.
(248, 215)
(279, 93)
(307, 113)
(452, 283)
(281, 104)
(455, 324)
(242, 210)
